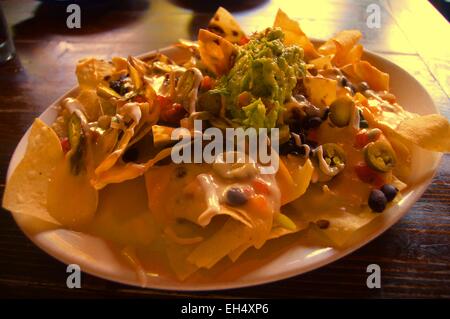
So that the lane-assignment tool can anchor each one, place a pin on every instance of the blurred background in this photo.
(41, 52)
(48, 49)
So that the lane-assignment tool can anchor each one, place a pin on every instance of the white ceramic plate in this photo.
(293, 256)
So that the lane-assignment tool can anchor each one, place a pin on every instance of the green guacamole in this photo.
(268, 70)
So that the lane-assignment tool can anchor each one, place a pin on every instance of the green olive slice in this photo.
(380, 156)
(341, 111)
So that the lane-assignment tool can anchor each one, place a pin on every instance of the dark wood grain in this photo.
(414, 254)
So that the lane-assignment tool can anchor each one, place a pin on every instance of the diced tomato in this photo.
(244, 40)
(139, 99)
(94, 135)
(260, 187)
(172, 113)
(259, 204)
(244, 98)
(361, 139)
(248, 191)
(361, 98)
(313, 135)
(163, 101)
(207, 83)
(368, 175)
(65, 144)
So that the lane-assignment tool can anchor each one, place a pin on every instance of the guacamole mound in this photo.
(268, 70)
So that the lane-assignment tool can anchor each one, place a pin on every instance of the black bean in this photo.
(298, 151)
(285, 148)
(302, 137)
(363, 124)
(343, 80)
(351, 87)
(291, 147)
(361, 115)
(362, 87)
(377, 200)
(390, 191)
(313, 122)
(288, 148)
(236, 197)
(323, 223)
(312, 144)
(296, 127)
(180, 171)
(326, 112)
(118, 86)
(313, 71)
(130, 155)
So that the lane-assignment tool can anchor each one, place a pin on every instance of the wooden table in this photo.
(414, 254)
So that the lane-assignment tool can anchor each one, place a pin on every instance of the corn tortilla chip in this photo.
(364, 71)
(293, 180)
(341, 45)
(431, 132)
(321, 91)
(231, 236)
(293, 34)
(216, 52)
(226, 26)
(26, 190)
(91, 72)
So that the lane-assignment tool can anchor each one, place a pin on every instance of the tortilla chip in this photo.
(216, 52)
(342, 224)
(226, 26)
(149, 116)
(26, 190)
(119, 150)
(376, 79)
(431, 132)
(125, 171)
(78, 209)
(90, 72)
(178, 255)
(353, 56)
(341, 45)
(320, 91)
(91, 104)
(293, 179)
(364, 71)
(275, 232)
(185, 198)
(293, 34)
(322, 63)
(231, 236)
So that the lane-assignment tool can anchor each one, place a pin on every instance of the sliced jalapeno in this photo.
(76, 139)
(331, 158)
(135, 76)
(380, 156)
(106, 92)
(341, 111)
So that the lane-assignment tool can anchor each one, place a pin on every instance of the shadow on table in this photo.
(212, 5)
(50, 18)
(203, 11)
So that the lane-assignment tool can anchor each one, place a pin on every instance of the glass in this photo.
(6, 44)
